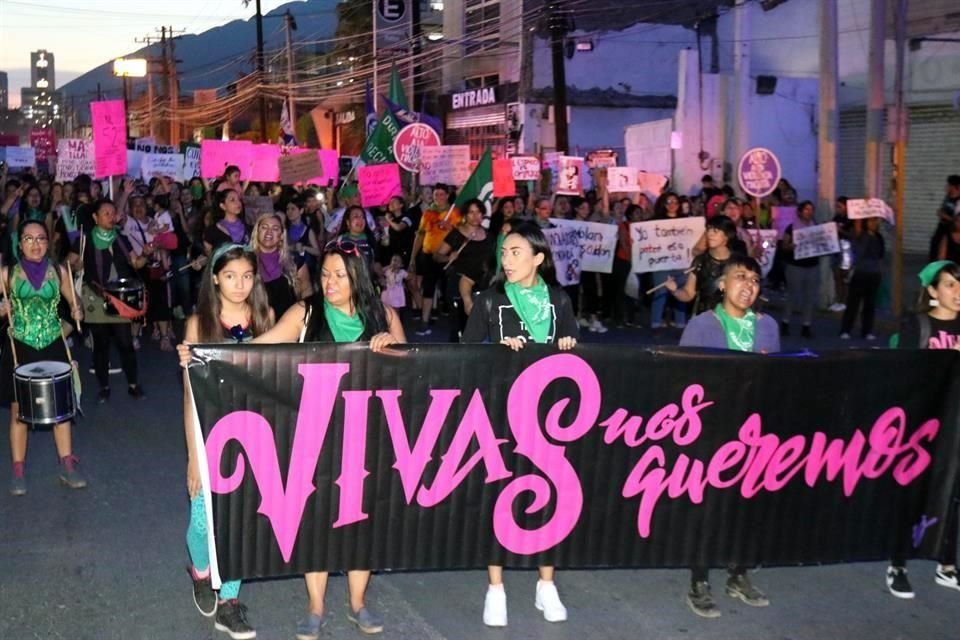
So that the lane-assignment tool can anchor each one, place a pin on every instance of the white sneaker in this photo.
(597, 327)
(548, 601)
(844, 336)
(583, 322)
(870, 337)
(495, 607)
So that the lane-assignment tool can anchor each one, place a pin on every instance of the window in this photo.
(479, 82)
(481, 25)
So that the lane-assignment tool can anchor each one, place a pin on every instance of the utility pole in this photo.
(899, 151)
(291, 104)
(376, 87)
(828, 131)
(149, 40)
(875, 100)
(741, 79)
(173, 91)
(558, 23)
(261, 73)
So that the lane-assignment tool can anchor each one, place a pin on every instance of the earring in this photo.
(934, 302)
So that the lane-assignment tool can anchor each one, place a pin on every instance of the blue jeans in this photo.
(662, 298)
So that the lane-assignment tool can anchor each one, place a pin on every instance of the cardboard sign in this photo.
(621, 179)
(264, 163)
(109, 138)
(74, 157)
(300, 167)
(503, 182)
(217, 155)
(816, 240)
(651, 183)
(525, 168)
(598, 243)
(565, 247)
(858, 209)
(379, 183)
(191, 161)
(449, 164)
(45, 142)
(159, 165)
(20, 157)
(665, 245)
(570, 176)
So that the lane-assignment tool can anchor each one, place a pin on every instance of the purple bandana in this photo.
(35, 271)
(237, 229)
(270, 268)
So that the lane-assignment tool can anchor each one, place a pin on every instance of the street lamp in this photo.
(129, 68)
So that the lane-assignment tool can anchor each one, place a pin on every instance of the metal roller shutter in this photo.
(852, 153)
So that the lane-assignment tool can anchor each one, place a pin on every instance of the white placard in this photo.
(570, 176)
(651, 183)
(622, 179)
(598, 243)
(816, 240)
(665, 245)
(448, 164)
(858, 209)
(74, 156)
(158, 165)
(525, 168)
(20, 157)
(565, 247)
(134, 160)
(191, 162)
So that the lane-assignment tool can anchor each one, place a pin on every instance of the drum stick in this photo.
(73, 287)
(13, 345)
(663, 284)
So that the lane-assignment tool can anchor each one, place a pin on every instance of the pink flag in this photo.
(109, 138)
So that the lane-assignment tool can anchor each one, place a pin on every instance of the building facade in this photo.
(41, 103)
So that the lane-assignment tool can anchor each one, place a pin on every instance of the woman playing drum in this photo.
(35, 286)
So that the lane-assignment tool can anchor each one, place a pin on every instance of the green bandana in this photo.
(103, 239)
(533, 306)
(343, 327)
(740, 332)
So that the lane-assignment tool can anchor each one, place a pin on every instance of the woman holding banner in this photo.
(706, 269)
(731, 324)
(524, 304)
(232, 308)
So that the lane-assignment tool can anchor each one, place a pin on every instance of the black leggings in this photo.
(702, 574)
(948, 550)
(122, 338)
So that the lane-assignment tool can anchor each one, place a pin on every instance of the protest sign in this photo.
(448, 164)
(74, 156)
(858, 209)
(317, 457)
(109, 138)
(300, 167)
(551, 162)
(330, 161)
(815, 240)
(665, 245)
(410, 141)
(782, 217)
(45, 142)
(758, 172)
(621, 179)
(217, 155)
(598, 243)
(191, 161)
(134, 162)
(20, 157)
(651, 184)
(503, 182)
(255, 206)
(264, 163)
(379, 183)
(525, 168)
(565, 246)
(159, 165)
(764, 245)
(570, 176)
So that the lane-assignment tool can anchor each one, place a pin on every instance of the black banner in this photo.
(455, 456)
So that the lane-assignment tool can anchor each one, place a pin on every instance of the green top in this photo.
(740, 332)
(36, 322)
(532, 304)
(343, 327)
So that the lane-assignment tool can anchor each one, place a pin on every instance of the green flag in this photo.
(397, 95)
(379, 146)
(479, 185)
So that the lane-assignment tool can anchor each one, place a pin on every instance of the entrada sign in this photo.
(474, 98)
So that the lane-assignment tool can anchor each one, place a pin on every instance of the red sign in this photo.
(407, 144)
(44, 141)
(503, 184)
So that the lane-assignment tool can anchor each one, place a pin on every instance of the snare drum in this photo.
(44, 392)
(128, 290)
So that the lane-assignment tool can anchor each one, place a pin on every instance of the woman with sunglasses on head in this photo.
(35, 286)
(231, 308)
(355, 230)
(524, 304)
(280, 275)
(346, 309)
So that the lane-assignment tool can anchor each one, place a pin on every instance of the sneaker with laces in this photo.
(18, 483)
(203, 594)
(597, 327)
(947, 577)
(309, 628)
(69, 473)
(136, 391)
(232, 619)
(367, 621)
(869, 337)
(424, 329)
(495, 607)
(701, 601)
(548, 601)
(898, 583)
(844, 336)
(583, 322)
(740, 587)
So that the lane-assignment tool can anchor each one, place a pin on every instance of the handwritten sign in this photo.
(379, 183)
(299, 167)
(758, 172)
(525, 168)
(570, 176)
(503, 183)
(815, 240)
(665, 245)
(858, 209)
(264, 163)
(621, 179)
(20, 157)
(565, 247)
(449, 164)
(410, 141)
(651, 183)
(134, 162)
(598, 243)
(45, 142)
(159, 165)
(109, 138)
(764, 246)
(191, 161)
(217, 155)
(74, 157)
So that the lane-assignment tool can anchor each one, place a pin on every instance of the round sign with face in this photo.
(407, 144)
(758, 172)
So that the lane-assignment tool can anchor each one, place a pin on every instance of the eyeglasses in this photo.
(343, 246)
(673, 202)
(35, 240)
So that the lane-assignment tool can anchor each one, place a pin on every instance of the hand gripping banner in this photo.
(455, 456)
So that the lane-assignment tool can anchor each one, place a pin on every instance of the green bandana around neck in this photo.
(343, 327)
(532, 304)
(740, 332)
(103, 239)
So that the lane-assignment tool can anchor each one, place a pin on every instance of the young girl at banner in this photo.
(524, 304)
(232, 308)
(936, 325)
(706, 269)
(229, 226)
(35, 286)
(732, 324)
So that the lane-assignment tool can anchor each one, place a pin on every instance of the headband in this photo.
(224, 248)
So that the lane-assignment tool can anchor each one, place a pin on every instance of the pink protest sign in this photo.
(109, 138)
(378, 183)
(217, 155)
(263, 163)
(330, 160)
